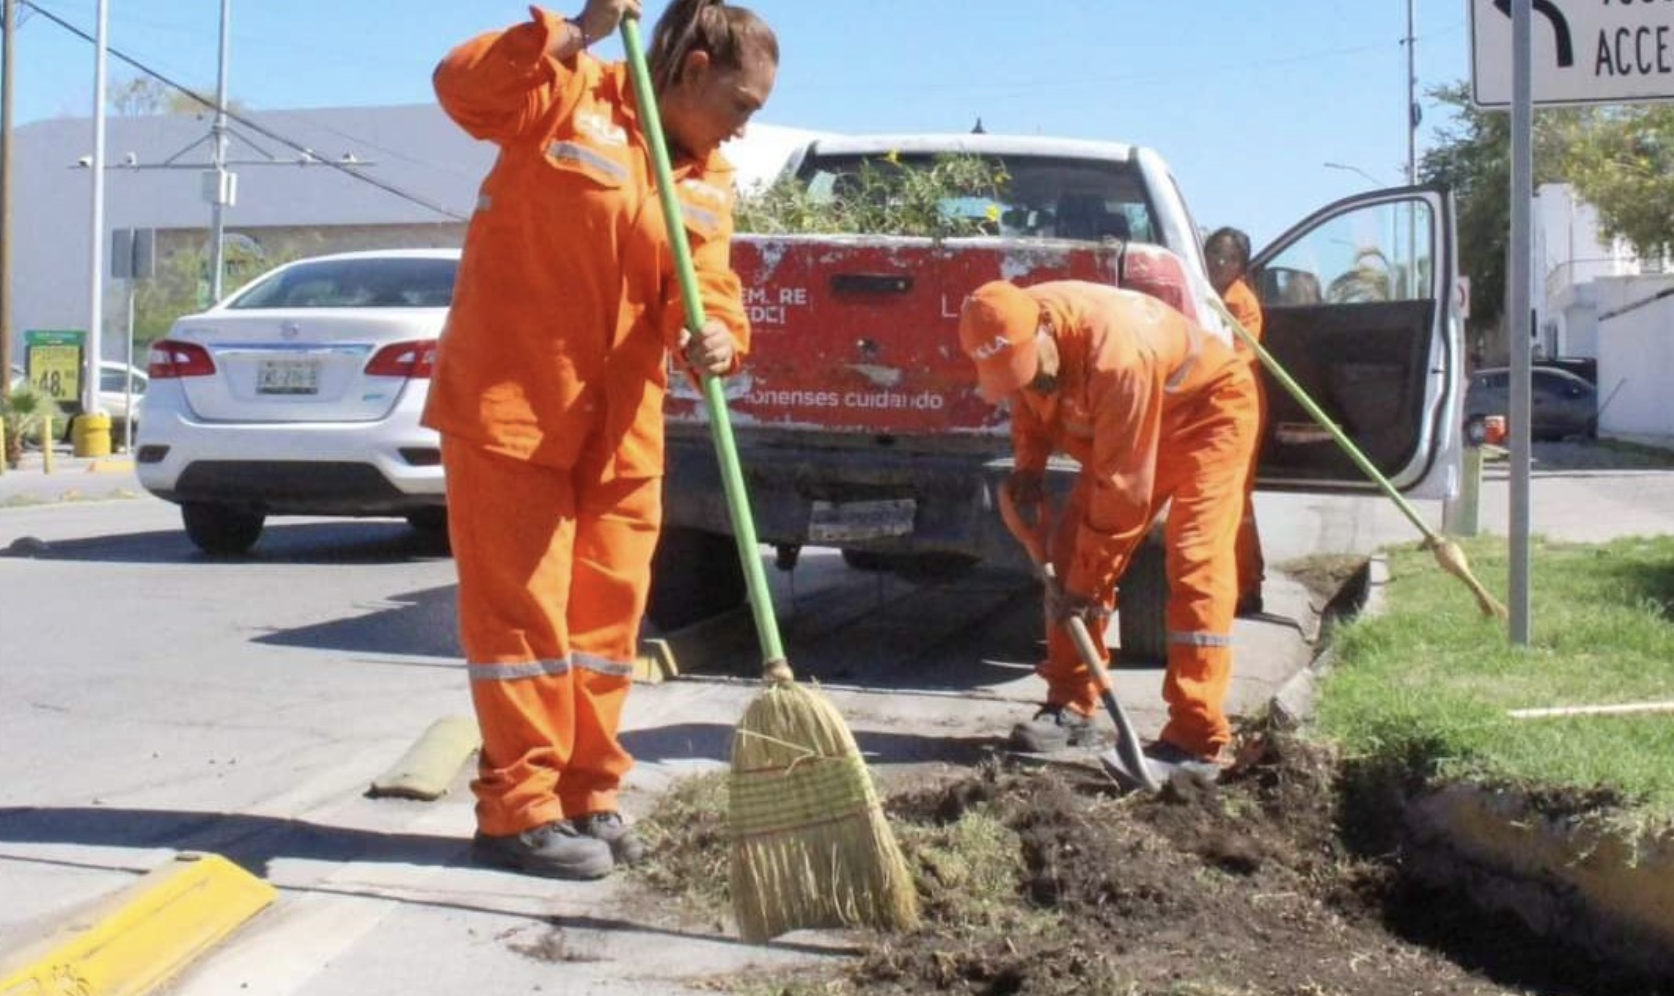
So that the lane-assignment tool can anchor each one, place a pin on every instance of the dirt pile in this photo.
(1045, 882)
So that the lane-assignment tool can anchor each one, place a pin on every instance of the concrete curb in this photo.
(1598, 888)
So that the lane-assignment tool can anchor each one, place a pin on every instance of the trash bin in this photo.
(90, 435)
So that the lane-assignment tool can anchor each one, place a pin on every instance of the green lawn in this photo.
(1430, 680)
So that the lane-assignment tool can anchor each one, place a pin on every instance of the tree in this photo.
(140, 95)
(1473, 158)
(1624, 166)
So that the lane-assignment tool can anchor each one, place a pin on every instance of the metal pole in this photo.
(96, 254)
(6, 78)
(1412, 103)
(219, 157)
(128, 377)
(1518, 313)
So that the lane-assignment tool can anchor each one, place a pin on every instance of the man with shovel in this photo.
(1155, 409)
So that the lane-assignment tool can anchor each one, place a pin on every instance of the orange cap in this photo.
(997, 329)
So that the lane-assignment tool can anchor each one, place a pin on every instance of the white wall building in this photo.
(421, 174)
(1580, 274)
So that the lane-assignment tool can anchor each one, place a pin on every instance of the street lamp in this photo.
(1354, 169)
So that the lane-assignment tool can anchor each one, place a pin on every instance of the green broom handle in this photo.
(1330, 426)
(714, 397)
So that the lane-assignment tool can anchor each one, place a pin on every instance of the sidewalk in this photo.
(72, 478)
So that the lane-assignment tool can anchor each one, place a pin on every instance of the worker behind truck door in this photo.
(548, 391)
(1227, 252)
(1155, 409)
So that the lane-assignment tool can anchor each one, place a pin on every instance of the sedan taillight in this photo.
(404, 359)
(170, 358)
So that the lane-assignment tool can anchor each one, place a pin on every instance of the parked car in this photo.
(300, 394)
(1563, 404)
(113, 395)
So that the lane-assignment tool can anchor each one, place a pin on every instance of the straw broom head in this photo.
(810, 844)
(1452, 560)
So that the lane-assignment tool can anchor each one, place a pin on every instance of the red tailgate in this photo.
(859, 334)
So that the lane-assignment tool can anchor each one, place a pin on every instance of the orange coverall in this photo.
(1252, 567)
(1156, 410)
(548, 391)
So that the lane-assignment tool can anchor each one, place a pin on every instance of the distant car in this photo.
(1563, 404)
(301, 395)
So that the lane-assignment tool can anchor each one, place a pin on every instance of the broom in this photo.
(810, 846)
(1447, 553)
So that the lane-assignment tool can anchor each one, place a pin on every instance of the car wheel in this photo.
(694, 575)
(220, 529)
(1142, 607)
(429, 520)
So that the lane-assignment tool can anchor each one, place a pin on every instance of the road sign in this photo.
(1585, 51)
(133, 253)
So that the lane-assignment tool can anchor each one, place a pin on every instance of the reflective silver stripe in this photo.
(1186, 365)
(1199, 639)
(484, 202)
(514, 672)
(582, 154)
(603, 665)
(704, 217)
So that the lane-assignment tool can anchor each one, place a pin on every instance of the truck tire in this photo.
(220, 530)
(694, 575)
(1142, 608)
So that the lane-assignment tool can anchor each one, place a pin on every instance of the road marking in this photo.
(138, 937)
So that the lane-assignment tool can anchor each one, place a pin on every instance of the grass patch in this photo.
(1429, 682)
(686, 846)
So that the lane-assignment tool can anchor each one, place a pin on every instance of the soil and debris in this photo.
(1044, 881)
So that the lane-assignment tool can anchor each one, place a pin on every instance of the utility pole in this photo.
(6, 77)
(96, 254)
(220, 187)
(1412, 103)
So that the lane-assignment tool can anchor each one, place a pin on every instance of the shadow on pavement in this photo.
(713, 742)
(337, 542)
(424, 623)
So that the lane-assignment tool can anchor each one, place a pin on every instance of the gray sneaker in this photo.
(1054, 728)
(625, 845)
(555, 850)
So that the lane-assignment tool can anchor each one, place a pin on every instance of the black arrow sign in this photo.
(1560, 27)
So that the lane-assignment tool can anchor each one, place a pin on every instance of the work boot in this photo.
(625, 845)
(1165, 761)
(1054, 728)
(1249, 604)
(554, 850)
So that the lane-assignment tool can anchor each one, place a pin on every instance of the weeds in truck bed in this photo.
(953, 196)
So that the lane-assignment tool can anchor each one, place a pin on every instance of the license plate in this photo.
(288, 377)
(840, 522)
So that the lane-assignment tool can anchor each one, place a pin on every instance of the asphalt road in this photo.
(153, 700)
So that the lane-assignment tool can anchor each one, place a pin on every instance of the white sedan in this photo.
(301, 395)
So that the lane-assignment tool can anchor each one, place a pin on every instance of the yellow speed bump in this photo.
(132, 941)
(430, 764)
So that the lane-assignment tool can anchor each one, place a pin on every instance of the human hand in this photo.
(1062, 606)
(1027, 487)
(601, 17)
(712, 351)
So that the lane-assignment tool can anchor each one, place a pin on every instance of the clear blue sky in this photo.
(1247, 99)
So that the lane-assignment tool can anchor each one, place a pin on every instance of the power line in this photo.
(311, 156)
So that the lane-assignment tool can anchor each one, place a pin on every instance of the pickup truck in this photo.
(857, 419)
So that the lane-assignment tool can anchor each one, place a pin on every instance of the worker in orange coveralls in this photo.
(1154, 409)
(548, 391)
(1227, 252)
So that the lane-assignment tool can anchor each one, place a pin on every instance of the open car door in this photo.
(1359, 305)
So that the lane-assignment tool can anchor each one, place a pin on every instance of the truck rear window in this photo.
(1045, 197)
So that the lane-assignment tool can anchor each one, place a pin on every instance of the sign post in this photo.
(133, 257)
(1547, 52)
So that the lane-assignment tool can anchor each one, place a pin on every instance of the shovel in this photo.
(1127, 740)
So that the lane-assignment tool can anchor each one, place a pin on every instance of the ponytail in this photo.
(728, 34)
